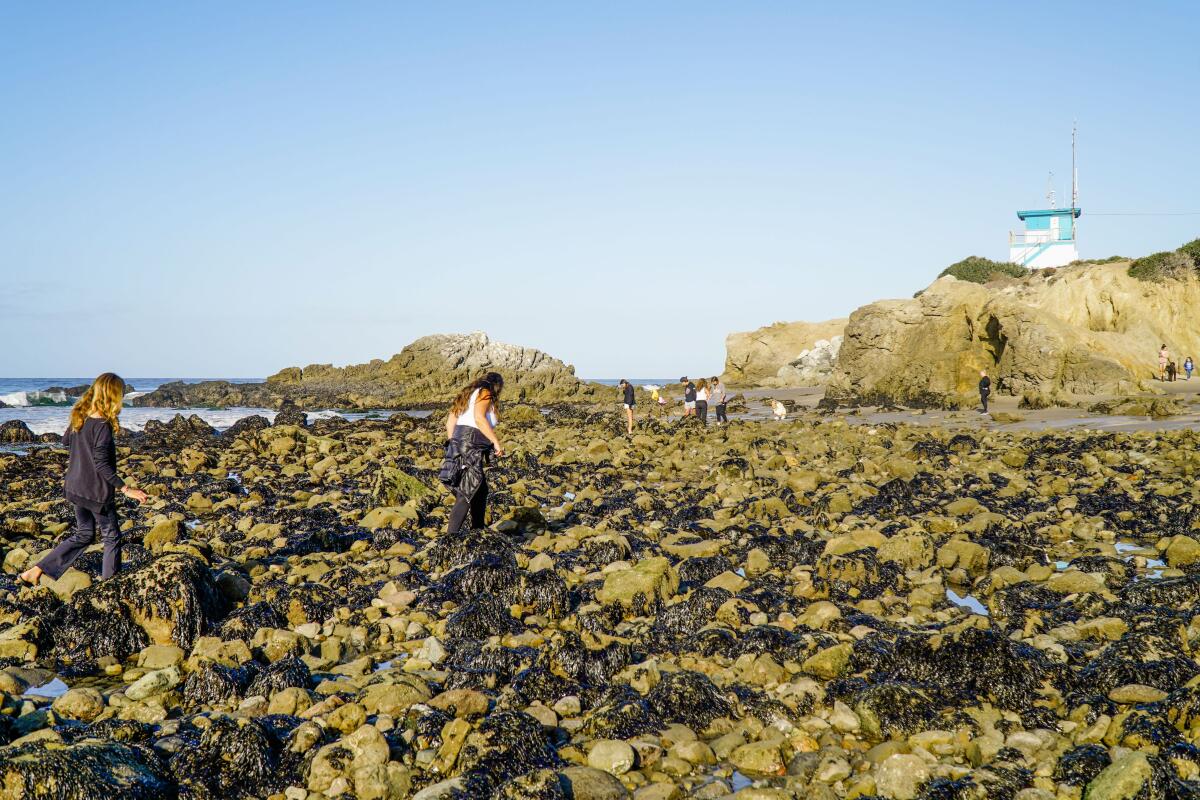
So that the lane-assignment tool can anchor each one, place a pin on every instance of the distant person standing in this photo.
(702, 401)
(1164, 356)
(689, 396)
(985, 389)
(91, 482)
(629, 400)
(1188, 366)
(719, 399)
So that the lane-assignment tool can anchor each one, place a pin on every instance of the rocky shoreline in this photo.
(803, 610)
(421, 376)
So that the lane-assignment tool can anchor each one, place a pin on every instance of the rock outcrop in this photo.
(783, 354)
(426, 372)
(1085, 330)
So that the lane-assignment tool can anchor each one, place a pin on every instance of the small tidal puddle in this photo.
(969, 602)
(55, 688)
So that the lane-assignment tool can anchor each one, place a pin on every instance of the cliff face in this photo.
(428, 371)
(783, 354)
(1088, 329)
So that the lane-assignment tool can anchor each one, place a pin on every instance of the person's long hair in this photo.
(492, 382)
(103, 397)
(701, 384)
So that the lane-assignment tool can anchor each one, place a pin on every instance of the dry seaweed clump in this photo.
(808, 609)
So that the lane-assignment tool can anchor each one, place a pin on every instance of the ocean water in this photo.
(26, 399)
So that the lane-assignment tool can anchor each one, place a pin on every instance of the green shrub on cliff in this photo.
(1167, 265)
(1192, 251)
(977, 269)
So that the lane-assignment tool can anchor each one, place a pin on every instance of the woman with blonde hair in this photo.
(471, 434)
(91, 482)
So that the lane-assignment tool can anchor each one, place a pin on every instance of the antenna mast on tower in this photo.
(1074, 170)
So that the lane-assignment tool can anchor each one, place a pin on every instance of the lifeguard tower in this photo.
(1049, 236)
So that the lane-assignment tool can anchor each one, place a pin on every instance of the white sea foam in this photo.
(53, 419)
(26, 399)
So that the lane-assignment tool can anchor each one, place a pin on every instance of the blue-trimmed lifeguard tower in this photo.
(1049, 237)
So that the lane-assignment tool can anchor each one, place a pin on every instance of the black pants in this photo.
(983, 398)
(721, 413)
(702, 411)
(477, 505)
(60, 559)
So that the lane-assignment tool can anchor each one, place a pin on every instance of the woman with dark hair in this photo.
(471, 431)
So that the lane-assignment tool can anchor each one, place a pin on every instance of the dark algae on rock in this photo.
(810, 609)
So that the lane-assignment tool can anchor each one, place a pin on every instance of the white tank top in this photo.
(467, 418)
(702, 394)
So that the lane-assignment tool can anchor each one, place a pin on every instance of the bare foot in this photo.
(31, 576)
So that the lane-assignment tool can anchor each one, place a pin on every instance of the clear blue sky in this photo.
(229, 188)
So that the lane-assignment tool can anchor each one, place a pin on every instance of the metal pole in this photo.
(1074, 179)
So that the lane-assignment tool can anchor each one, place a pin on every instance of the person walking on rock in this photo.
(689, 396)
(1164, 356)
(1188, 366)
(985, 389)
(471, 434)
(91, 482)
(719, 398)
(702, 401)
(628, 400)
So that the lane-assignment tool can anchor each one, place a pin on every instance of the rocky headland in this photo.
(425, 373)
(798, 610)
(1048, 336)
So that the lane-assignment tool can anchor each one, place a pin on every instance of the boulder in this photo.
(171, 600)
(83, 704)
(589, 783)
(783, 354)
(44, 771)
(900, 776)
(647, 583)
(1123, 779)
(16, 432)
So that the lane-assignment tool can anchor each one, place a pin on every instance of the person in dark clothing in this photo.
(985, 389)
(628, 400)
(471, 431)
(689, 397)
(91, 482)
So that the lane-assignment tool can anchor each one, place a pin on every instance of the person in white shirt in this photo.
(719, 398)
(471, 429)
(702, 401)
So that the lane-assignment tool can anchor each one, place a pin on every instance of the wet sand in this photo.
(1003, 409)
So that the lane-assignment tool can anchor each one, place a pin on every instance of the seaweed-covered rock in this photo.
(84, 771)
(171, 600)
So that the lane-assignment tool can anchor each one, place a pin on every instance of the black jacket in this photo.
(92, 477)
(985, 385)
(467, 454)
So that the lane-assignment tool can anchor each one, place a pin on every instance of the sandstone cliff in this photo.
(426, 372)
(1085, 329)
(783, 354)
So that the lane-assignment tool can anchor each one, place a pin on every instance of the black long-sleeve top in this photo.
(92, 477)
(985, 384)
